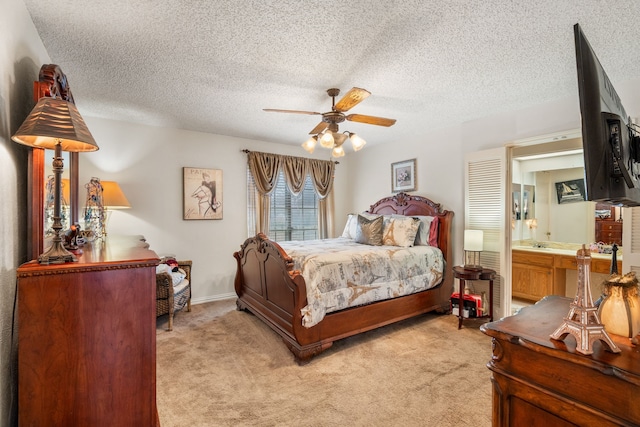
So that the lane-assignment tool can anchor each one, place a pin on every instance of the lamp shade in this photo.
(473, 240)
(55, 121)
(113, 197)
(310, 144)
(327, 140)
(338, 152)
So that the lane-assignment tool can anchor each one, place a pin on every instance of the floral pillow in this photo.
(369, 231)
(400, 230)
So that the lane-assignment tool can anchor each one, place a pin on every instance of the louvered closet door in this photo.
(630, 240)
(486, 175)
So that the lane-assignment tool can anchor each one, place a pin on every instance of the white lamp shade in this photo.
(327, 140)
(310, 144)
(338, 152)
(356, 142)
(473, 240)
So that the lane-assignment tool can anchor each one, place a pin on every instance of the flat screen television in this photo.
(610, 142)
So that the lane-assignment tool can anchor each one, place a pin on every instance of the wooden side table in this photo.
(462, 274)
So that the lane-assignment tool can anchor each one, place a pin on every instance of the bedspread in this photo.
(340, 273)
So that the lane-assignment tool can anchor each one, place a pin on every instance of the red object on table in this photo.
(462, 275)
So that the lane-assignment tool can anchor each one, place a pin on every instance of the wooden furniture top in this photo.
(116, 252)
(533, 325)
(460, 272)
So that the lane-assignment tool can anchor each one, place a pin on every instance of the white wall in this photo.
(440, 156)
(21, 55)
(147, 162)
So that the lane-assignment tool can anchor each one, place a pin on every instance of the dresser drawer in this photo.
(532, 258)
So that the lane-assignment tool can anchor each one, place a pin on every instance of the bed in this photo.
(268, 285)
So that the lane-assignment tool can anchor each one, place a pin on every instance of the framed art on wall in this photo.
(570, 191)
(202, 193)
(403, 176)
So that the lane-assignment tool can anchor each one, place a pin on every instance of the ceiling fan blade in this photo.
(273, 110)
(371, 120)
(319, 128)
(351, 99)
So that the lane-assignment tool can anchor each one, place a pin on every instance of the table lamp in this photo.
(112, 198)
(473, 245)
(56, 124)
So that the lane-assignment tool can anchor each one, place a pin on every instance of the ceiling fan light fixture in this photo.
(337, 151)
(310, 144)
(327, 140)
(356, 142)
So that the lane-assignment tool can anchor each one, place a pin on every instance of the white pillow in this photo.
(422, 237)
(178, 276)
(163, 268)
(350, 227)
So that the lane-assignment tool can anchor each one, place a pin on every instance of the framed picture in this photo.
(403, 176)
(202, 193)
(570, 191)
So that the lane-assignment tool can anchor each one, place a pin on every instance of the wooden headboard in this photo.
(408, 205)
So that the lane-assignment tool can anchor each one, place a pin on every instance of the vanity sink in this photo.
(563, 251)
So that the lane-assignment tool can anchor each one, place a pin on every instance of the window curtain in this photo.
(322, 173)
(264, 169)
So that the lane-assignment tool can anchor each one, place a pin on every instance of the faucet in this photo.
(538, 245)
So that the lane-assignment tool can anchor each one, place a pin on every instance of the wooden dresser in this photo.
(538, 381)
(87, 338)
(609, 232)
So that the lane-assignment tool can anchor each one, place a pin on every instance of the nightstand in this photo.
(462, 275)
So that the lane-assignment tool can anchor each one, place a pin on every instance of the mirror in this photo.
(65, 207)
(538, 169)
(40, 165)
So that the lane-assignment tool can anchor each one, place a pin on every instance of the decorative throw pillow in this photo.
(350, 227)
(422, 237)
(400, 230)
(369, 231)
(428, 231)
(433, 232)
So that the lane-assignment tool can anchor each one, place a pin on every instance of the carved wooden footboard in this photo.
(267, 286)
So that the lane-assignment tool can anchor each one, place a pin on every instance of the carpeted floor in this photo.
(222, 367)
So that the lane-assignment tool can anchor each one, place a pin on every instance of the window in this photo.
(293, 217)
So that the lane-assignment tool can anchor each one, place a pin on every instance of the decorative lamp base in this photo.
(472, 261)
(56, 254)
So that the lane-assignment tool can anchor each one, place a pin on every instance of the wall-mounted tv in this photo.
(611, 143)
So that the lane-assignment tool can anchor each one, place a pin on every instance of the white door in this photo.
(486, 203)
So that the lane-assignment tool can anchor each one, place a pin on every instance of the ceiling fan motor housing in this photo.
(333, 117)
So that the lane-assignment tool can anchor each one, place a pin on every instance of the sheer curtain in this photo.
(263, 170)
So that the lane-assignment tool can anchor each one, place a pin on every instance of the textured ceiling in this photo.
(212, 66)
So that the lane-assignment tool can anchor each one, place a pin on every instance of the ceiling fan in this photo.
(327, 130)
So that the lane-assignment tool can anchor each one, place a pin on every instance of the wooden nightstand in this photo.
(461, 274)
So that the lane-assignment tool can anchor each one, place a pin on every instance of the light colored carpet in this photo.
(222, 367)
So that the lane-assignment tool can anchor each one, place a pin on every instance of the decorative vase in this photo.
(620, 308)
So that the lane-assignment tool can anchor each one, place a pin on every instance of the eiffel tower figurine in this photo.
(582, 321)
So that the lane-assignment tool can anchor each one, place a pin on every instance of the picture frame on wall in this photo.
(403, 176)
(570, 191)
(202, 193)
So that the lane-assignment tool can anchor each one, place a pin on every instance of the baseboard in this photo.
(213, 298)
